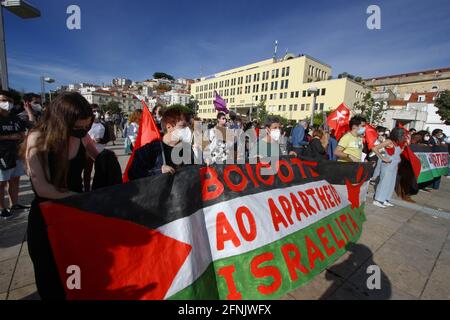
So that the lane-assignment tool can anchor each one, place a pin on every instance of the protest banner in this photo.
(218, 232)
(433, 160)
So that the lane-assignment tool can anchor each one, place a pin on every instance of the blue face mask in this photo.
(362, 131)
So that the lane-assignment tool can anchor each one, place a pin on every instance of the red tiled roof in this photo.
(397, 102)
(428, 96)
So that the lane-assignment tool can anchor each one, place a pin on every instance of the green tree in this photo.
(319, 118)
(193, 105)
(370, 109)
(163, 88)
(112, 106)
(443, 105)
(162, 75)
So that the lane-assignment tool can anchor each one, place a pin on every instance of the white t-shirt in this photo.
(97, 132)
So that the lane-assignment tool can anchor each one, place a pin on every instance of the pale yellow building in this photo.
(282, 85)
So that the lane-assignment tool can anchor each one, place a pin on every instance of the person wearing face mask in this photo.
(350, 146)
(156, 157)
(221, 141)
(97, 134)
(394, 147)
(316, 149)
(55, 155)
(373, 157)
(268, 145)
(12, 132)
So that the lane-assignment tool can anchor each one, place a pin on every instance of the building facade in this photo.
(280, 86)
(406, 83)
(127, 103)
(417, 111)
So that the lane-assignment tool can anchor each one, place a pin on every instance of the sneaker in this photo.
(378, 204)
(19, 207)
(5, 214)
(387, 204)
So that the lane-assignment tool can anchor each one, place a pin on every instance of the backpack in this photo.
(107, 137)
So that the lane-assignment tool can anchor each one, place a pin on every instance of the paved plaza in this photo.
(409, 242)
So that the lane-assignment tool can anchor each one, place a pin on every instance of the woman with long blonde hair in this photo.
(55, 156)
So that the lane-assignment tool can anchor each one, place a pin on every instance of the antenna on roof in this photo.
(275, 50)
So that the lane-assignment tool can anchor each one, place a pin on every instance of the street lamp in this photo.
(23, 10)
(43, 81)
(314, 91)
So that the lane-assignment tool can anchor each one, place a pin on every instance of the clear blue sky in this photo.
(135, 38)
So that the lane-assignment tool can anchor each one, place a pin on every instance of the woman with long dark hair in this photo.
(55, 156)
(389, 167)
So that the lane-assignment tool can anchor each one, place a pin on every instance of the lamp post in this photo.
(23, 10)
(314, 91)
(43, 81)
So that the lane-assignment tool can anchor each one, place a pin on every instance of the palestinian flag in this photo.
(219, 232)
(433, 161)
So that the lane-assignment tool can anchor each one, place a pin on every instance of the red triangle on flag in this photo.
(148, 132)
(118, 259)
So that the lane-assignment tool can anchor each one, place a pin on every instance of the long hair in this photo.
(54, 130)
(135, 116)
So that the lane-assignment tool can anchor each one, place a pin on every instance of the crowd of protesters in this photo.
(59, 146)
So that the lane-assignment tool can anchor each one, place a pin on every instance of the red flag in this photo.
(371, 136)
(339, 120)
(148, 131)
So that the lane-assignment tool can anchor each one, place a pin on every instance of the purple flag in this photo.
(220, 104)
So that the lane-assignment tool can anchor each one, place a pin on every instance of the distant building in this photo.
(281, 85)
(177, 97)
(121, 82)
(421, 81)
(127, 103)
(417, 111)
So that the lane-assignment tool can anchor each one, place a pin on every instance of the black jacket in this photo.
(107, 170)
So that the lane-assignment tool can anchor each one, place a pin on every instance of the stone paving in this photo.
(410, 244)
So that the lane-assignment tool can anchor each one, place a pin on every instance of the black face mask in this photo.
(78, 133)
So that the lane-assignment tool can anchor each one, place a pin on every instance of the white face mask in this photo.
(275, 134)
(426, 138)
(184, 135)
(36, 107)
(6, 105)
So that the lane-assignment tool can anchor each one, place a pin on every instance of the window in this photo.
(283, 71)
(277, 73)
(307, 107)
(276, 85)
(302, 107)
(296, 94)
(285, 95)
(279, 108)
(282, 84)
(324, 91)
(295, 107)
(304, 93)
(292, 94)
(287, 71)
(321, 106)
(273, 73)
(286, 83)
(281, 95)
(290, 107)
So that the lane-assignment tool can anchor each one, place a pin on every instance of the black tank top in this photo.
(76, 167)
